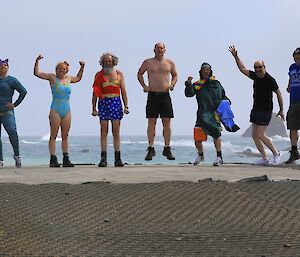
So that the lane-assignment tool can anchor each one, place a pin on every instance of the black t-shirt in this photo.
(263, 91)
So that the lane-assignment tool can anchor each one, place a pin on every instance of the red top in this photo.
(105, 88)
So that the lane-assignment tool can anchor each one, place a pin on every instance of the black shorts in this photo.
(293, 117)
(159, 104)
(260, 117)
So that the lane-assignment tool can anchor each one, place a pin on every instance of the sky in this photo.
(194, 31)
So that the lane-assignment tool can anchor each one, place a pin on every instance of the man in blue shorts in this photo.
(263, 85)
(8, 85)
(293, 115)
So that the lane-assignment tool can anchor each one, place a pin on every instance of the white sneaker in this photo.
(1, 164)
(276, 159)
(18, 161)
(199, 159)
(262, 162)
(218, 162)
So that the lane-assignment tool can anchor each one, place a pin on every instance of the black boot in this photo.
(293, 157)
(67, 162)
(103, 161)
(150, 153)
(167, 152)
(53, 162)
(118, 161)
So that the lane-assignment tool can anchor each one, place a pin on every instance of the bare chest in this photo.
(159, 68)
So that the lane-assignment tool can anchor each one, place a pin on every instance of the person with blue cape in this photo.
(210, 94)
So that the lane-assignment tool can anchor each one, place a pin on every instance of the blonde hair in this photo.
(63, 63)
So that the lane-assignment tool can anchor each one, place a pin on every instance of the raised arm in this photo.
(79, 74)
(238, 61)
(41, 75)
(174, 76)
(140, 77)
(124, 93)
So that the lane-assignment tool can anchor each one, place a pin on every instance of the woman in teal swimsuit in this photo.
(60, 114)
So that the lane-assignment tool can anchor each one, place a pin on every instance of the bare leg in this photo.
(167, 130)
(258, 142)
(260, 138)
(65, 128)
(116, 134)
(218, 144)
(199, 146)
(103, 137)
(151, 131)
(294, 137)
(261, 132)
(55, 121)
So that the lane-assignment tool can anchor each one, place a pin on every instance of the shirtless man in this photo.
(159, 102)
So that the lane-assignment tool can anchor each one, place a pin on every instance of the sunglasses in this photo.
(258, 67)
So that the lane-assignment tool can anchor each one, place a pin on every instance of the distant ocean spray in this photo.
(86, 149)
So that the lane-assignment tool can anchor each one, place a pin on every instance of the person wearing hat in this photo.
(293, 114)
(8, 85)
(209, 94)
(263, 85)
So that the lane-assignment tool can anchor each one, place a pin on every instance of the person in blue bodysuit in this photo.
(8, 85)
(60, 114)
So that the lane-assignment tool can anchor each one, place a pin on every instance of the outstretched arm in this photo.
(238, 61)
(79, 74)
(41, 75)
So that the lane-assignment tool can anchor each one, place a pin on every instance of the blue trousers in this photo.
(9, 123)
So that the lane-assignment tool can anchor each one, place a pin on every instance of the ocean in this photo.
(86, 150)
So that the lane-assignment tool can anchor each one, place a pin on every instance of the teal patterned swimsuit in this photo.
(61, 91)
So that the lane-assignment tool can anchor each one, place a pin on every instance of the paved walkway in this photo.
(87, 211)
(144, 173)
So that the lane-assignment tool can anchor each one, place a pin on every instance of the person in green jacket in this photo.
(209, 94)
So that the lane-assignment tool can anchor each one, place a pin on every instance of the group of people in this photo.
(109, 92)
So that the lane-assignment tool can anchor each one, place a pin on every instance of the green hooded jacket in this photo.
(209, 96)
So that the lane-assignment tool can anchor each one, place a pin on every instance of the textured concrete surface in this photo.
(60, 212)
(143, 173)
